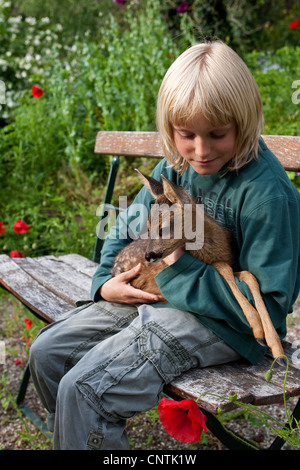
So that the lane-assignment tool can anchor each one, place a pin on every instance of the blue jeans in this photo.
(104, 362)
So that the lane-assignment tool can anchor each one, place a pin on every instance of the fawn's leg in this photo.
(272, 338)
(250, 313)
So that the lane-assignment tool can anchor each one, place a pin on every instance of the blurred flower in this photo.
(28, 323)
(120, 2)
(17, 254)
(294, 24)
(17, 362)
(2, 228)
(21, 227)
(37, 91)
(183, 7)
(183, 420)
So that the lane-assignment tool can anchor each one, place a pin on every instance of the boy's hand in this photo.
(118, 289)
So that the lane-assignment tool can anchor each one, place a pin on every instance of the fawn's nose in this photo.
(151, 256)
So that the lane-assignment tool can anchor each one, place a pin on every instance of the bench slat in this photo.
(62, 283)
(30, 292)
(195, 382)
(293, 378)
(138, 144)
(263, 392)
(58, 266)
(286, 149)
(79, 263)
(148, 144)
(223, 378)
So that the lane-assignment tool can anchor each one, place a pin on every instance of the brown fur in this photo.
(218, 250)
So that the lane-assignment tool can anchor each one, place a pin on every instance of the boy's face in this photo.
(206, 148)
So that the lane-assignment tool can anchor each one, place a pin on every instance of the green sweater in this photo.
(261, 207)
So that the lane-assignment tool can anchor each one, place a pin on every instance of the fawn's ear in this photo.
(175, 194)
(154, 187)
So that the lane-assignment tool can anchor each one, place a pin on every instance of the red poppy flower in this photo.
(294, 24)
(183, 420)
(37, 91)
(17, 362)
(17, 254)
(21, 227)
(2, 228)
(28, 323)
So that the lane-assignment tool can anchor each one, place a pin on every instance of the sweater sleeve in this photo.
(270, 251)
(129, 224)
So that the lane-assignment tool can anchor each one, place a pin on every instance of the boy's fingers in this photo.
(131, 273)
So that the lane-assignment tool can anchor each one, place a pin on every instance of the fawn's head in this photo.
(167, 222)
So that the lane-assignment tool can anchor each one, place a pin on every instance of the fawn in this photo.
(218, 249)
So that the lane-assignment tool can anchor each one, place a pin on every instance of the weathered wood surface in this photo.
(208, 388)
(50, 286)
(139, 144)
(246, 380)
(63, 283)
(30, 292)
(146, 144)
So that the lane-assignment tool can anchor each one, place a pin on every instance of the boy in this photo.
(110, 359)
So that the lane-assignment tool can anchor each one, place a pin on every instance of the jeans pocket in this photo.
(164, 351)
(108, 385)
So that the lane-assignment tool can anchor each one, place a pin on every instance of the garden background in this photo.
(69, 68)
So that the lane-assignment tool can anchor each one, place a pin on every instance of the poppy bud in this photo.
(268, 375)
(232, 395)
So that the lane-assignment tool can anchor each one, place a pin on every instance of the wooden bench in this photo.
(50, 286)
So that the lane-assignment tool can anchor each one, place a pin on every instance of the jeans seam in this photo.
(170, 340)
(179, 358)
(98, 336)
(214, 340)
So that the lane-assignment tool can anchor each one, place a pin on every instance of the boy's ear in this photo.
(154, 187)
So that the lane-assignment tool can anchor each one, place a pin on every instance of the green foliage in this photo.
(25, 45)
(110, 84)
(275, 72)
(104, 78)
(85, 16)
(245, 25)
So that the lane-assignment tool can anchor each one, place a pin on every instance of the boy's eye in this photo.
(187, 136)
(217, 136)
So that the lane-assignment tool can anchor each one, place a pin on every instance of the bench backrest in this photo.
(148, 144)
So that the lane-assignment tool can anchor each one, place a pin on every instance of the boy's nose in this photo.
(202, 147)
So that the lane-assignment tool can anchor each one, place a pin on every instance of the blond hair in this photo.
(210, 79)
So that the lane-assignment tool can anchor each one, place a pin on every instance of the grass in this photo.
(19, 431)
